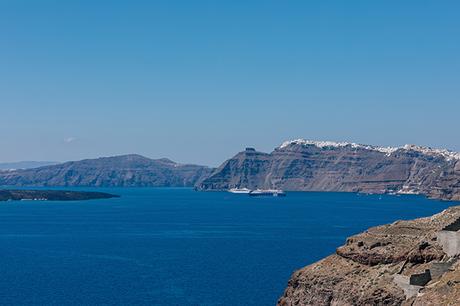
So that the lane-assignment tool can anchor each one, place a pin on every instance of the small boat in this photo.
(239, 190)
(267, 192)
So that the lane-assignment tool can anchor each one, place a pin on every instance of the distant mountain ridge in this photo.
(25, 165)
(296, 165)
(304, 165)
(118, 171)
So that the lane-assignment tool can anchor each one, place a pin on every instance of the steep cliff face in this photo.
(127, 170)
(324, 166)
(363, 271)
(248, 168)
(447, 185)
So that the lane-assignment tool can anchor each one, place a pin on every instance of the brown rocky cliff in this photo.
(362, 271)
(349, 167)
(448, 184)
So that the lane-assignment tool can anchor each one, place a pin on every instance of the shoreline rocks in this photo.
(366, 270)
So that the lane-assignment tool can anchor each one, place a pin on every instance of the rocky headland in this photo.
(52, 195)
(403, 263)
(302, 165)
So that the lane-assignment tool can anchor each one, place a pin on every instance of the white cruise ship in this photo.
(239, 190)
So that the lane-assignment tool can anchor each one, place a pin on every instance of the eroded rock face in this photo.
(362, 271)
(395, 243)
(350, 168)
(248, 168)
(338, 281)
(448, 184)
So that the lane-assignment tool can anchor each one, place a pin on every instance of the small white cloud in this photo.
(69, 139)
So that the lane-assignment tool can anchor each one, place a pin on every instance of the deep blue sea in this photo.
(168, 246)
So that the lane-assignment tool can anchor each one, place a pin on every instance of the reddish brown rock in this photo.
(362, 271)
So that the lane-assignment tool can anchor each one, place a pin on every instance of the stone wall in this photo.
(450, 242)
(439, 268)
(420, 279)
(403, 282)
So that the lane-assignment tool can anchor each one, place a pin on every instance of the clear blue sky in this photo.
(197, 81)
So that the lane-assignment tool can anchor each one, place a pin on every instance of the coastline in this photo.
(377, 267)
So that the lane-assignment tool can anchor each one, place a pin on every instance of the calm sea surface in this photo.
(177, 246)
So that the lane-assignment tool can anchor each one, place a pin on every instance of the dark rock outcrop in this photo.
(118, 171)
(327, 166)
(52, 195)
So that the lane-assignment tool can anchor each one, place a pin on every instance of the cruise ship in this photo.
(240, 190)
(267, 192)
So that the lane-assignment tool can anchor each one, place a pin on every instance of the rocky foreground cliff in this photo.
(302, 165)
(404, 263)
